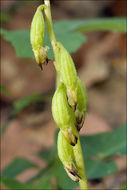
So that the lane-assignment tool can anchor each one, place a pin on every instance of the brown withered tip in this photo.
(75, 106)
(78, 126)
(74, 143)
(40, 65)
(79, 123)
(47, 60)
(74, 172)
(76, 139)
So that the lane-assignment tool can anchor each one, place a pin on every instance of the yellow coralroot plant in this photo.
(70, 99)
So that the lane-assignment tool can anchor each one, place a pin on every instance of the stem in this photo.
(77, 148)
(80, 165)
(49, 21)
(47, 12)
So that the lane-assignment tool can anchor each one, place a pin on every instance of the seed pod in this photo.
(68, 74)
(63, 115)
(37, 36)
(56, 50)
(81, 104)
(66, 155)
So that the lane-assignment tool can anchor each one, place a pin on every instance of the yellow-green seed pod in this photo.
(37, 36)
(56, 50)
(68, 74)
(81, 104)
(63, 114)
(37, 29)
(66, 155)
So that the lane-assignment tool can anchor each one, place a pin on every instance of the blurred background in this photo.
(101, 65)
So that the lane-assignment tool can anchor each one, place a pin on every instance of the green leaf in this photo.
(63, 180)
(16, 167)
(5, 125)
(72, 41)
(66, 31)
(4, 90)
(19, 105)
(105, 144)
(4, 17)
(44, 183)
(48, 155)
(55, 169)
(124, 187)
(49, 171)
(103, 24)
(14, 184)
(99, 168)
(88, 25)
(20, 39)
(94, 169)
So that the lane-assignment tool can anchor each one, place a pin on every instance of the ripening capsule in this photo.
(63, 115)
(37, 29)
(66, 155)
(56, 50)
(68, 74)
(37, 36)
(81, 104)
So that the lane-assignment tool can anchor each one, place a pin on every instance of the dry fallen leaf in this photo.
(94, 124)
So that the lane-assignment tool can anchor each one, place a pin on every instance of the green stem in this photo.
(77, 148)
(49, 21)
(48, 16)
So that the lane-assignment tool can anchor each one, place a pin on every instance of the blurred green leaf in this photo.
(67, 32)
(16, 167)
(94, 169)
(5, 125)
(44, 183)
(101, 24)
(14, 184)
(55, 169)
(124, 187)
(105, 144)
(4, 17)
(99, 168)
(63, 180)
(4, 90)
(19, 105)
(72, 41)
(100, 146)
(20, 39)
(48, 155)
(46, 173)
(88, 25)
